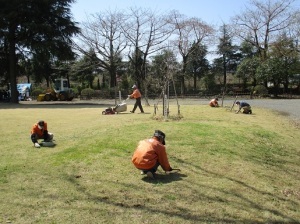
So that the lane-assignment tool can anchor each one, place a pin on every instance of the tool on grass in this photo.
(177, 170)
(47, 143)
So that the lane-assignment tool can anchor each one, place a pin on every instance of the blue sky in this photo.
(214, 12)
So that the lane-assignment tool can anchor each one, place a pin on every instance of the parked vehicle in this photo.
(61, 91)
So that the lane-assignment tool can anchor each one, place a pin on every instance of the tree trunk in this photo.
(12, 66)
(224, 71)
(182, 86)
(146, 95)
(195, 82)
(113, 80)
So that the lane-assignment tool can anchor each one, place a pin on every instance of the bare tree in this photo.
(103, 34)
(262, 21)
(189, 32)
(147, 32)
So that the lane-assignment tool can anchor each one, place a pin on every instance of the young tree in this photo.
(229, 52)
(246, 70)
(197, 64)
(34, 24)
(85, 69)
(103, 32)
(188, 31)
(162, 70)
(273, 70)
(279, 67)
(146, 32)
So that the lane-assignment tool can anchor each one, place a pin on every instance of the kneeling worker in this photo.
(214, 102)
(245, 106)
(39, 131)
(151, 153)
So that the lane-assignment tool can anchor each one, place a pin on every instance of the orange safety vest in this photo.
(148, 153)
(40, 132)
(136, 94)
(213, 102)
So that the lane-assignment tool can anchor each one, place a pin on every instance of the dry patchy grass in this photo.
(234, 167)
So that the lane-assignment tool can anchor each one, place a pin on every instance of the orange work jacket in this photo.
(136, 94)
(213, 103)
(40, 132)
(148, 153)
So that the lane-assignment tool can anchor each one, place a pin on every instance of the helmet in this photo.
(134, 87)
(159, 134)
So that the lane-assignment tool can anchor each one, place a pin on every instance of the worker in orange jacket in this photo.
(151, 153)
(39, 131)
(214, 102)
(136, 94)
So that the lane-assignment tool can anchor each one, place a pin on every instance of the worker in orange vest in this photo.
(214, 102)
(137, 96)
(151, 153)
(40, 131)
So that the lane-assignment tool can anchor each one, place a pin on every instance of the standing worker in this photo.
(151, 153)
(39, 131)
(137, 96)
(214, 102)
(245, 106)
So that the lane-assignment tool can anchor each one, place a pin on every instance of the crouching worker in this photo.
(245, 107)
(39, 131)
(151, 153)
(214, 102)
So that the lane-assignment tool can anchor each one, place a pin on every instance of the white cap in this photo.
(133, 87)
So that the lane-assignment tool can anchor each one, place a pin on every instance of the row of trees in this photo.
(33, 35)
(39, 39)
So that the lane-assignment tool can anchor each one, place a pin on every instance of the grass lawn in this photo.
(235, 168)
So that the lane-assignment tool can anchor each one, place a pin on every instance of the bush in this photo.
(87, 93)
(260, 90)
(36, 92)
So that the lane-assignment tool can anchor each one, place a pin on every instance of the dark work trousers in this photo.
(153, 169)
(138, 104)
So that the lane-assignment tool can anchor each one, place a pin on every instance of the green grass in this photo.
(234, 167)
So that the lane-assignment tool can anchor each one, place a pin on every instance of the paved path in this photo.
(291, 107)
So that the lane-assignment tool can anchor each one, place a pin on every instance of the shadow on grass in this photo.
(246, 201)
(163, 178)
(245, 204)
(184, 214)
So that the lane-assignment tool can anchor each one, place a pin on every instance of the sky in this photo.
(214, 12)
